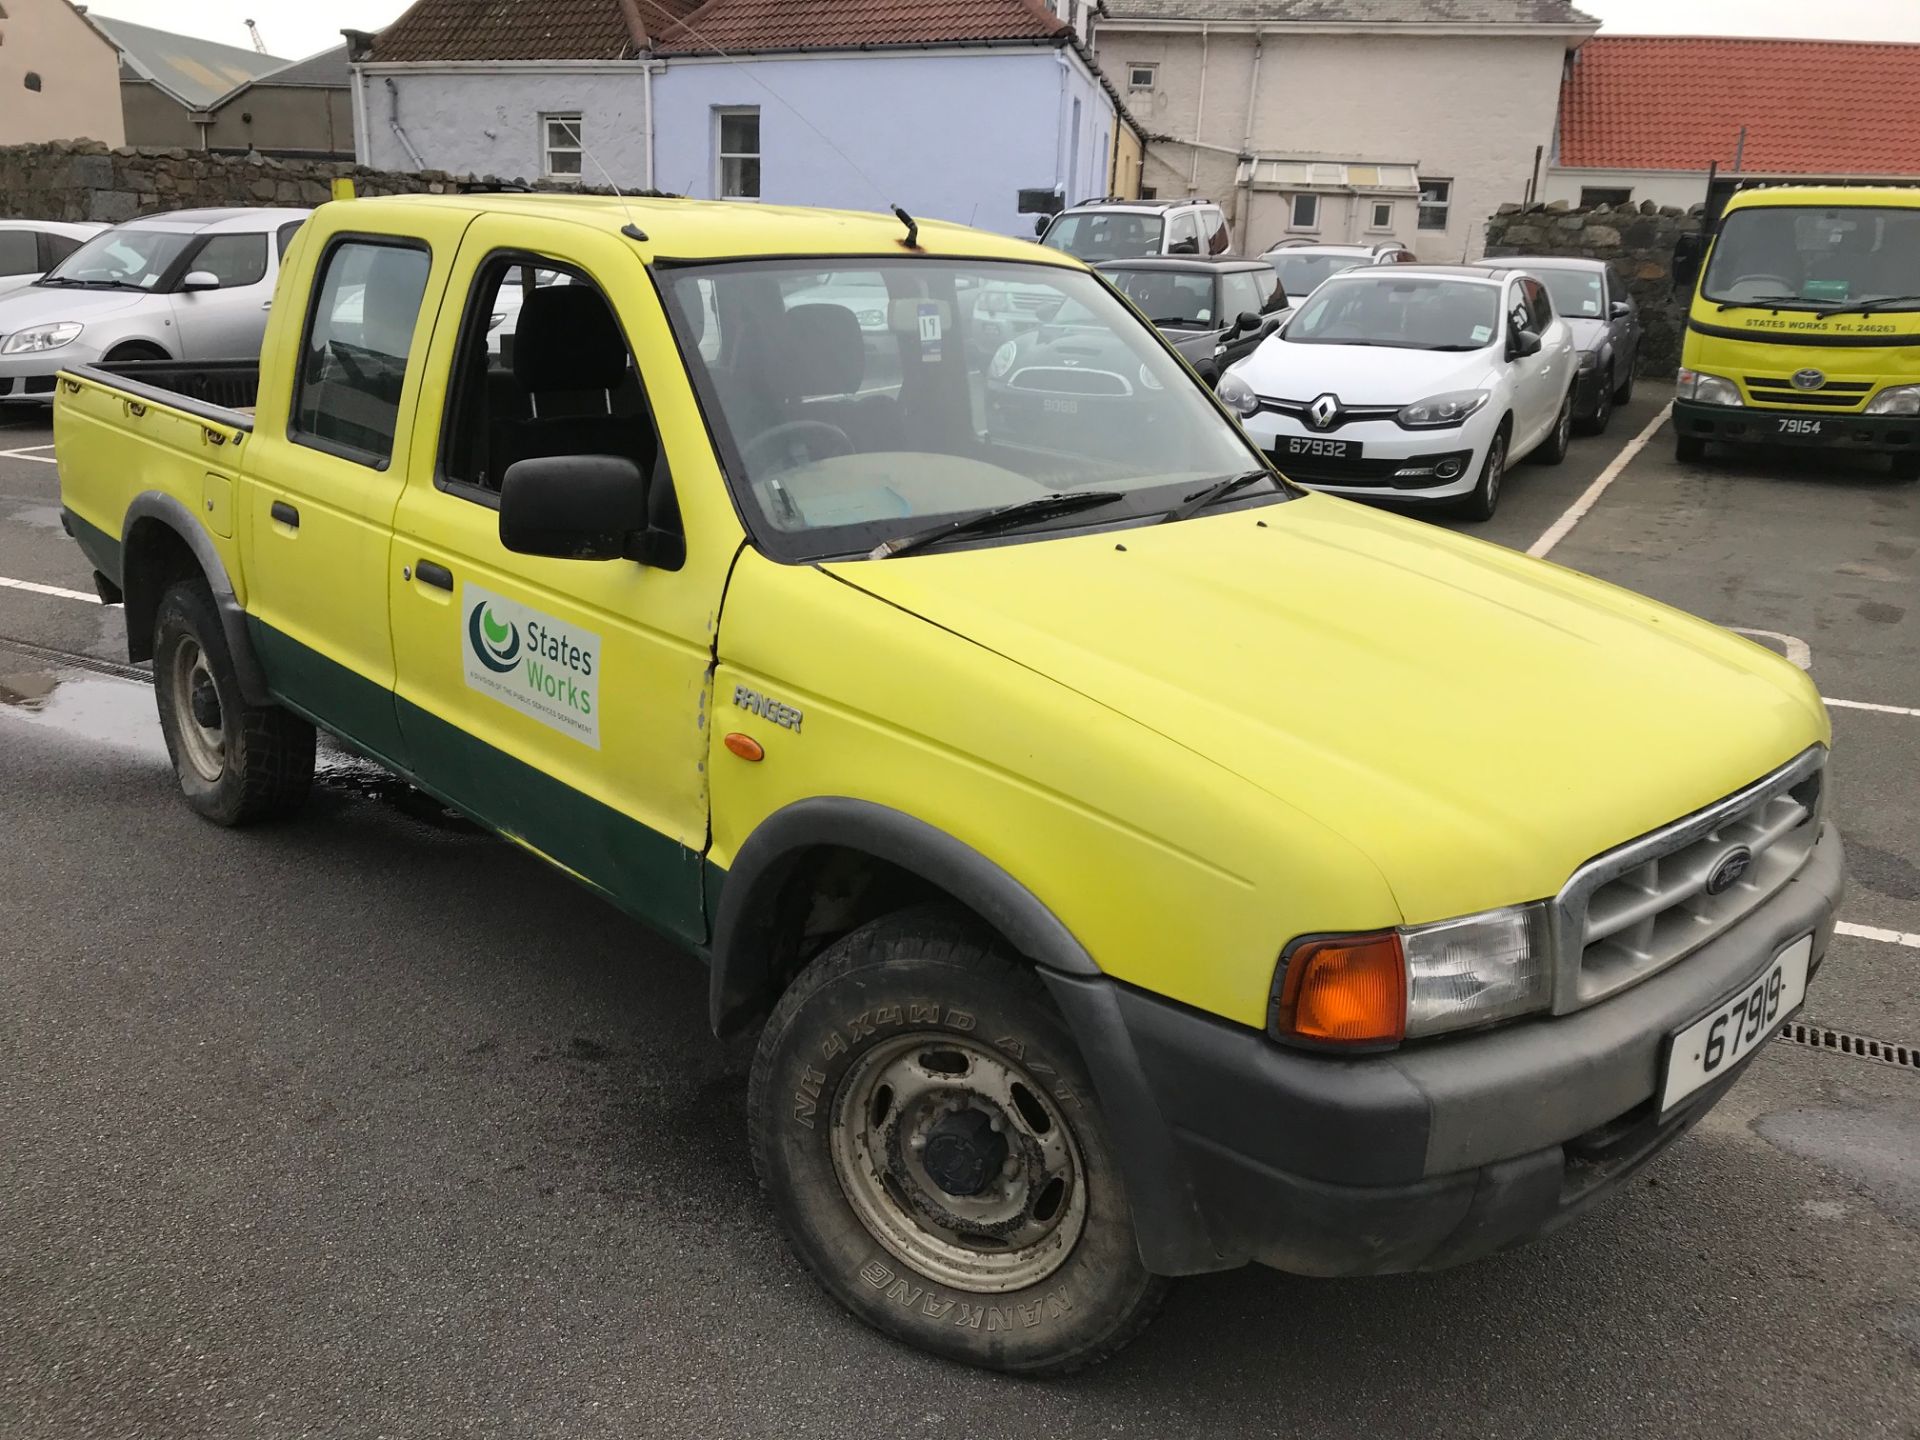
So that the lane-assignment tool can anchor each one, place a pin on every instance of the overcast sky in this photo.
(298, 28)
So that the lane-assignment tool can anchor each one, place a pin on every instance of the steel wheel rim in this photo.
(1496, 468)
(895, 1115)
(1563, 428)
(204, 746)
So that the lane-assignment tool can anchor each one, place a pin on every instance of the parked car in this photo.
(30, 248)
(1214, 311)
(1131, 229)
(187, 285)
(1302, 264)
(1412, 383)
(1606, 330)
(1130, 864)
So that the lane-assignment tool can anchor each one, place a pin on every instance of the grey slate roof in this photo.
(328, 68)
(196, 72)
(1358, 12)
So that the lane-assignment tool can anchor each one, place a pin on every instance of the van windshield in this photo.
(857, 405)
(1813, 257)
(1107, 234)
(120, 260)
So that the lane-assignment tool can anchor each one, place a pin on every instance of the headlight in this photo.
(1896, 400)
(1375, 990)
(1589, 361)
(1237, 395)
(41, 337)
(1436, 412)
(1002, 360)
(1707, 389)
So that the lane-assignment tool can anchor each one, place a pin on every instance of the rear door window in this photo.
(354, 356)
(19, 252)
(1215, 223)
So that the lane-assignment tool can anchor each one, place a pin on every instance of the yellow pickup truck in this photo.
(1133, 865)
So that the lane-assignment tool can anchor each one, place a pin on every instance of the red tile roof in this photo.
(525, 29)
(1678, 102)
(747, 25)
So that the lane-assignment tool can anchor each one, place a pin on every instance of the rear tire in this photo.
(1484, 498)
(1689, 449)
(929, 1137)
(236, 762)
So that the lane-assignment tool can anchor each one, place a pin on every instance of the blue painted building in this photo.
(949, 108)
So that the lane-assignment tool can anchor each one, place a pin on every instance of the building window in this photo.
(1436, 196)
(737, 154)
(1304, 213)
(33, 80)
(1614, 195)
(563, 146)
(1382, 215)
(1141, 77)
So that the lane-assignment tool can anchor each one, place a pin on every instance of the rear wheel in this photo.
(1484, 498)
(928, 1135)
(1689, 449)
(236, 762)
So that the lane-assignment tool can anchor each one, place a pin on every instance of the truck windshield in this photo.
(1378, 307)
(1107, 234)
(121, 260)
(1817, 257)
(854, 406)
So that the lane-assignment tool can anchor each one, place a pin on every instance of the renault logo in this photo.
(1728, 869)
(1324, 411)
(1809, 379)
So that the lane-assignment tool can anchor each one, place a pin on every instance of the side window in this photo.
(236, 259)
(1241, 294)
(1538, 306)
(353, 359)
(1519, 313)
(283, 237)
(19, 252)
(1218, 240)
(543, 370)
(1303, 212)
(1183, 234)
(58, 247)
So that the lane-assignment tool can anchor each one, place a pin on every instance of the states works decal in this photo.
(525, 658)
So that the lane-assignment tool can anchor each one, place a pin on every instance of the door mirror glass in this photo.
(574, 507)
(1687, 251)
(1247, 323)
(1525, 343)
(1621, 309)
(200, 280)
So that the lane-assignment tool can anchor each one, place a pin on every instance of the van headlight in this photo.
(1707, 389)
(1896, 400)
(36, 338)
(1372, 991)
(1237, 395)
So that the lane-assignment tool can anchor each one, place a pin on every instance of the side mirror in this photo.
(1246, 323)
(1621, 309)
(1687, 253)
(1523, 344)
(200, 280)
(573, 507)
(1040, 225)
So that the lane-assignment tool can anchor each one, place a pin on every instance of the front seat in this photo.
(570, 364)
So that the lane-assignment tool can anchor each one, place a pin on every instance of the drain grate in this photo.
(1860, 1047)
(73, 659)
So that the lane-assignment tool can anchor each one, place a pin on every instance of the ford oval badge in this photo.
(1728, 869)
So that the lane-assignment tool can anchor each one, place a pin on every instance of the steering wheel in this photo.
(765, 444)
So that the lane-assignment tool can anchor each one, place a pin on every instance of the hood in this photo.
(49, 304)
(1477, 722)
(1587, 332)
(1194, 345)
(1361, 374)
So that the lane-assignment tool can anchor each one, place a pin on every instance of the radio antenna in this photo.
(631, 229)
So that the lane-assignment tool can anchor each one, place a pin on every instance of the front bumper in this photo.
(32, 377)
(1751, 425)
(1394, 463)
(1238, 1149)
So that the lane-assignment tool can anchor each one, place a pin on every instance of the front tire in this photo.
(1623, 392)
(236, 762)
(929, 1137)
(1596, 423)
(1554, 448)
(1484, 498)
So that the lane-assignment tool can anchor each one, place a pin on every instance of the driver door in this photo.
(228, 323)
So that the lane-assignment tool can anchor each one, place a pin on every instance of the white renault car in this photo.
(1419, 383)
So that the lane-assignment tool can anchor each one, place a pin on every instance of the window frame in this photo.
(548, 119)
(1375, 223)
(1625, 192)
(1426, 207)
(721, 113)
(1152, 69)
(191, 255)
(367, 459)
(1294, 222)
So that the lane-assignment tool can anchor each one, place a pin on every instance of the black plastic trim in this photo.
(155, 395)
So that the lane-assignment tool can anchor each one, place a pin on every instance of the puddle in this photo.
(90, 709)
(341, 772)
(41, 517)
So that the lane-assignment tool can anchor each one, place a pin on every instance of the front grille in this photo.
(1828, 395)
(1347, 414)
(1634, 911)
(1062, 380)
(1329, 470)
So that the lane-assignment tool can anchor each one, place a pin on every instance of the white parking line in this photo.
(1869, 705)
(1795, 649)
(23, 454)
(1560, 528)
(33, 587)
(1874, 932)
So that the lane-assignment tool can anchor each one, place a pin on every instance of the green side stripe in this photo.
(649, 875)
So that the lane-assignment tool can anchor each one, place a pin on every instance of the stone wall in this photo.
(84, 180)
(1638, 240)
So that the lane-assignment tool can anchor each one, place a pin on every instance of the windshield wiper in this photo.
(1773, 302)
(1004, 517)
(1879, 302)
(1199, 500)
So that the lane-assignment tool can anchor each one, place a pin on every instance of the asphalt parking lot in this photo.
(369, 1125)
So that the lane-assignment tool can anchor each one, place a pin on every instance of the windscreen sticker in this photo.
(1482, 334)
(929, 331)
(526, 659)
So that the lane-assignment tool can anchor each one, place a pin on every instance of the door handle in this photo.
(266, 304)
(285, 514)
(438, 576)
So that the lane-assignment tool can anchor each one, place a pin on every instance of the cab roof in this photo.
(694, 230)
(1888, 196)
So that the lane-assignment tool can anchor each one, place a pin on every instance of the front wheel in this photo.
(1596, 423)
(1484, 498)
(1554, 448)
(1623, 392)
(236, 762)
(928, 1134)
